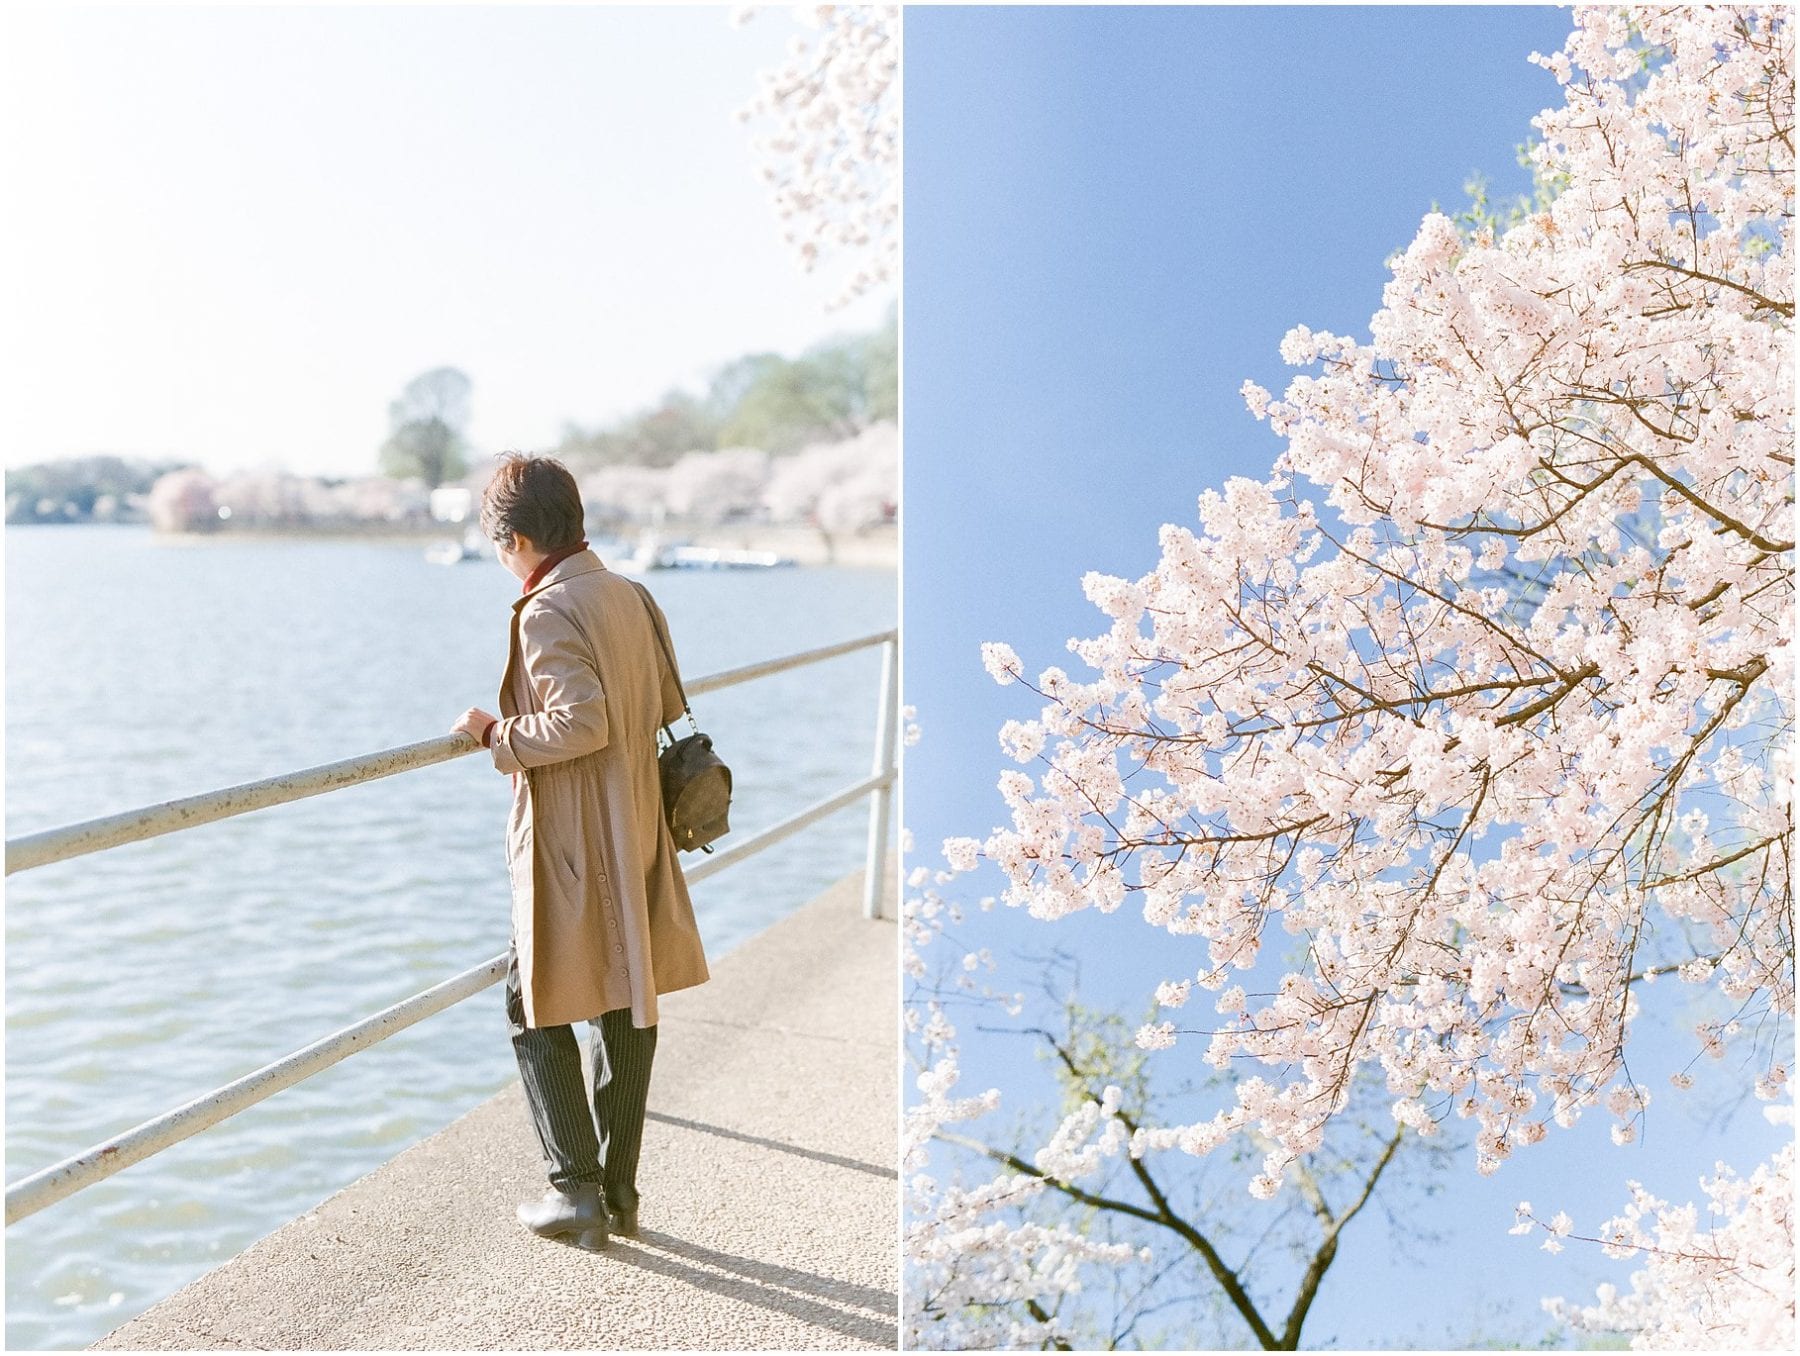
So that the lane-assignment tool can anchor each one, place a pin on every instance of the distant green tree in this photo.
(677, 424)
(806, 401)
(680, 424)
(428, 426)
(732, 382)
(832, 391)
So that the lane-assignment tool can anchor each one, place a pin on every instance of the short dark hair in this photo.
(534, 497)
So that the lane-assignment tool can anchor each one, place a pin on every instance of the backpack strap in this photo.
(662, 639)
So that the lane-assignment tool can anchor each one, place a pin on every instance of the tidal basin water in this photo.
(141, 669)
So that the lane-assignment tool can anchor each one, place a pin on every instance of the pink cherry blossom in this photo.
(1486, 690)
(831, 154)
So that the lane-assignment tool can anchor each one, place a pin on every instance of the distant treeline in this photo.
(83, 490)
(831, 392)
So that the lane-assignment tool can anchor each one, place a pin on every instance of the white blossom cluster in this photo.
(831, 158)
(1517, 736)
(1723, 1283)
(189, 499)
(844, 486)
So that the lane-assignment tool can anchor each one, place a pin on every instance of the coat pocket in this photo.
(566, 867)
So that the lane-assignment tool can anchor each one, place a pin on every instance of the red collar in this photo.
(550, 562)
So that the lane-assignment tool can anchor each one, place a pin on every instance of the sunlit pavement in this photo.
(770, 1195)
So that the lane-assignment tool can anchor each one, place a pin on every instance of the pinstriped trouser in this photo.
(550, 1068)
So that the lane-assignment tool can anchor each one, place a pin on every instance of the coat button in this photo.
(619, 949)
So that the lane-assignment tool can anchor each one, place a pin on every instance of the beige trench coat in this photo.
(600, 912)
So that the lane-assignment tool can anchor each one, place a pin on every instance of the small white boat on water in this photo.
(716, 558)
(635, 558)
(650, 554)
(471, 547)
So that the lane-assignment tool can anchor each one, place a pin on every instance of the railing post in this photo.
(886, 725)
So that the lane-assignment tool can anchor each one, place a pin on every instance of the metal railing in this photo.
(33, 1193)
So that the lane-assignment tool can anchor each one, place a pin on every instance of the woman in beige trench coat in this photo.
(601, 920)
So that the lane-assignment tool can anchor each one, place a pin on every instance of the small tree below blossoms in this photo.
(1501, 729)
(980, 1276)
(1094, 1233)
(832, 156)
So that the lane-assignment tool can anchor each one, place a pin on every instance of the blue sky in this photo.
(235, 232)
(1112, 217)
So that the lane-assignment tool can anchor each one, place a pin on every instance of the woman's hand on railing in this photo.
(474, 723)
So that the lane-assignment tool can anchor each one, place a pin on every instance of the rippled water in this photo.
(138, 670)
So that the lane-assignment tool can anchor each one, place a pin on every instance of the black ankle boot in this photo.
(622, 1204)
(577, 1212)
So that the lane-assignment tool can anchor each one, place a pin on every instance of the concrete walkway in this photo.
(770, 1196)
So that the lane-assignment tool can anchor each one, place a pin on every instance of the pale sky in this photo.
(233, 234)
